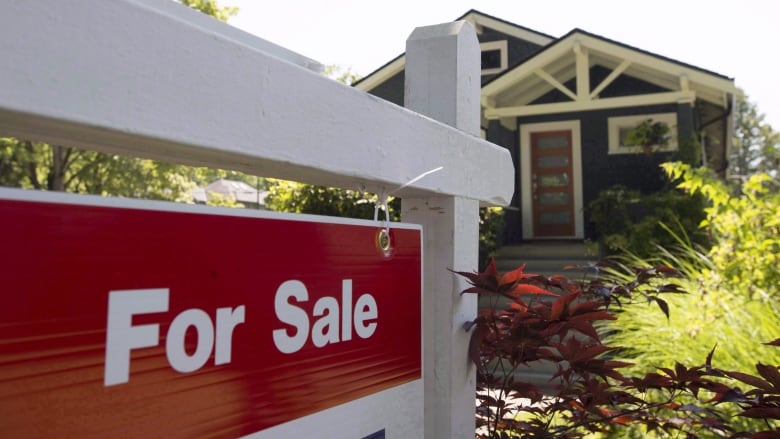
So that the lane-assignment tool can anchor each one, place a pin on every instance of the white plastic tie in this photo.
(382, 197)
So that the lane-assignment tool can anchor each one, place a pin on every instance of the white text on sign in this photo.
(334, 323)
(332, 315)
(122, 336)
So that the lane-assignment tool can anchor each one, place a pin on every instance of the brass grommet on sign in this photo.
(383, 240)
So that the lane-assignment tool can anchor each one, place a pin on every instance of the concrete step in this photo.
(546, 257)
(546, 250)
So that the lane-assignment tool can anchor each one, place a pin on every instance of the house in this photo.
(564, 108)
(224, 189)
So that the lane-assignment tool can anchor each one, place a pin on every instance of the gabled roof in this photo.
(479, 20)
(571, 57)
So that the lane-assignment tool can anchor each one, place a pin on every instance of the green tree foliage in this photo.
(215, 199)
(36, 165)
(211, 7)
(289, 196)
(756, 144)
(745, 229)
(341, 74)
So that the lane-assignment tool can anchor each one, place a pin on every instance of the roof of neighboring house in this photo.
(237, 190)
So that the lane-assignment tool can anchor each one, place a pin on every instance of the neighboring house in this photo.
(563, 106)
(230, 190)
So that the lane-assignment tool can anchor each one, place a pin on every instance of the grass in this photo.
(710, 315)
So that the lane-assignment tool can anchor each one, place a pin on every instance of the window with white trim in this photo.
(620, 127)
(494, 57)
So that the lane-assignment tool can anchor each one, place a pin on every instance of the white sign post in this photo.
(155, 79)
(443, 82)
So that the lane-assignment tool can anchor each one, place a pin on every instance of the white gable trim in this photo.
(510, 78)
(597, 104)
(503, 47)
(396, 66)
(479, 21)
(572, 56)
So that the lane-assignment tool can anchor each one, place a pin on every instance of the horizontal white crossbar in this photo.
(155, 79)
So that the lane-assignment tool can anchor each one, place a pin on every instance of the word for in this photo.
(122, 336)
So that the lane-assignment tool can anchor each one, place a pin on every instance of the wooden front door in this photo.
(552, 184)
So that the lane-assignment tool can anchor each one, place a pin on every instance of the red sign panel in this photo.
(141, 321)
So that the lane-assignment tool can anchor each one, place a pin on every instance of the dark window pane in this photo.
(554, 199)
(552, 161)
(552, 142)
(554, 180)
(554, 218)
(491, 59)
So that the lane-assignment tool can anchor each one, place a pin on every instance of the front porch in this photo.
(547, 257)
(544, 257)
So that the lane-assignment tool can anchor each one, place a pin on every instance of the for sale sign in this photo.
(139, 319)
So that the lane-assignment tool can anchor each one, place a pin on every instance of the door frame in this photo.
(526, 202)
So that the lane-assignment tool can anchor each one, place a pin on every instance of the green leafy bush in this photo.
(745, 228)
(732, 287)
(626, 220)
(289, 196)
(491, 222)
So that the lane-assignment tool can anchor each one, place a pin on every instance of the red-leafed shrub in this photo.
(532, 318)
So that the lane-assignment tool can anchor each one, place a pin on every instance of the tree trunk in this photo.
(59, 162)
(27, 161)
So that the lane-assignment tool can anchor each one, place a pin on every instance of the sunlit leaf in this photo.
(531, 289)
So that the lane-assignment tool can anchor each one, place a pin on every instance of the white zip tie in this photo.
(381, 202)
(416, 179)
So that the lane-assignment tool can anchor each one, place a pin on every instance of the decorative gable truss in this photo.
(566, 64)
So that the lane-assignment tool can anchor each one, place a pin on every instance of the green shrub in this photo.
(289, 196)
(626, 220)
(491, 222)
(732, 287)
(745, 228)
